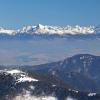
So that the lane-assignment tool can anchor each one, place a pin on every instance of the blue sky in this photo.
(16, 13)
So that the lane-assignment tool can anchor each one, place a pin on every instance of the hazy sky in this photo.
(16, 13)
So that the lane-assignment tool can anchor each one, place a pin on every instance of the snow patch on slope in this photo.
(6, 31)
(70, 98)
(26, 95)
(19, 75)
(91, 94)
(14, 71)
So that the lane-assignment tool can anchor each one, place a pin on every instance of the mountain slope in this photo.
(36, 89)
(81, 71)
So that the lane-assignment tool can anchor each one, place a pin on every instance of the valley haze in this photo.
(40, 44)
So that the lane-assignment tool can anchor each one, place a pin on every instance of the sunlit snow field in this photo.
(32, 52)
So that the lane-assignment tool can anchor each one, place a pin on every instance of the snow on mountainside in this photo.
(97, 29)
(19, 75)
(81, 71)
(10, 89)
(44, 29)
(2, 30)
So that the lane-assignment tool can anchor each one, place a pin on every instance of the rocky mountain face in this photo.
(81, 71)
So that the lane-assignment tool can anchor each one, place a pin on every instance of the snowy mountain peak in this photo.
(40, 26)
(6, 31)
(46, 29)
(64, 30)
(97, 29)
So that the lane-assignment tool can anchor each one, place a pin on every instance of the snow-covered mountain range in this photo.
(45, 29)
